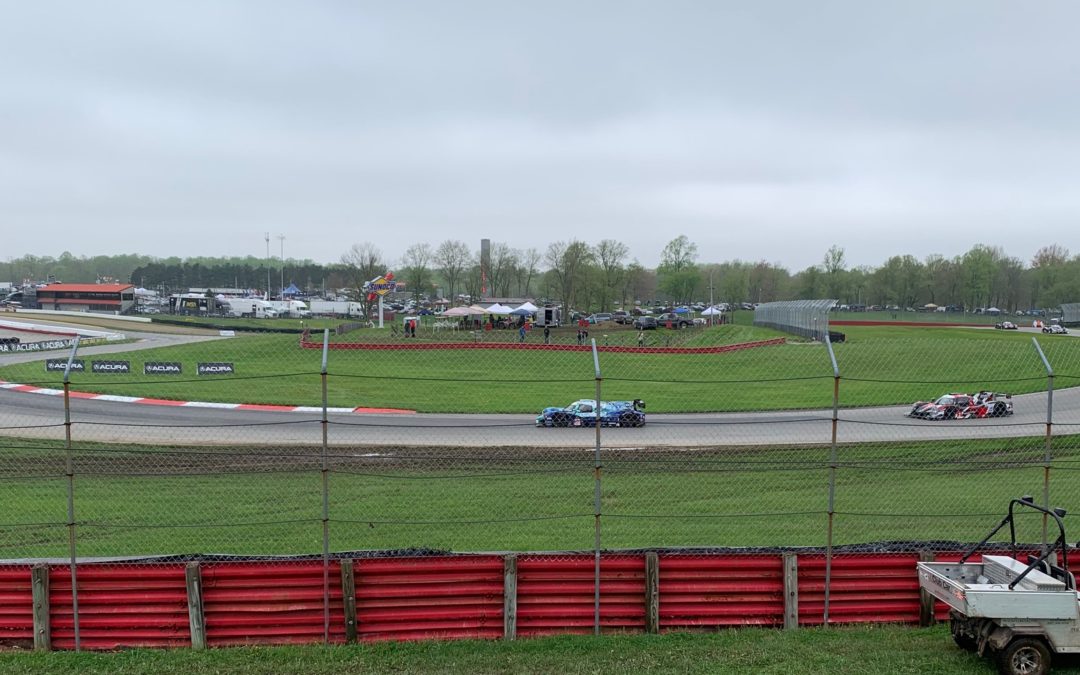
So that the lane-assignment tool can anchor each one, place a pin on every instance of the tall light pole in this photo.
(267, 294)
(281, 239)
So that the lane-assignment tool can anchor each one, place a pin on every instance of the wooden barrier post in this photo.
(348, 597)
(39, 583)
(652, 593)
(196, 618)
(791, 591)
(926, 601)
(510, 597)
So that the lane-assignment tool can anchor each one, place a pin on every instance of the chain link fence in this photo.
(805, 318)
(324, 444)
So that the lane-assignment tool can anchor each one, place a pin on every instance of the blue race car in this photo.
(582, 413)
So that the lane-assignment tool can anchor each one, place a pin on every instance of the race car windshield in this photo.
(946, 400)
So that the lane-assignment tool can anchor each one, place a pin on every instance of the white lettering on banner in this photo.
(215, 368)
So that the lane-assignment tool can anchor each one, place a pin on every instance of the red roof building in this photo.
(113, 298)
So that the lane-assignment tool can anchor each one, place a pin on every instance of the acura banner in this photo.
(58, 365)
(216, 369)
(110, 366)
(162, 368)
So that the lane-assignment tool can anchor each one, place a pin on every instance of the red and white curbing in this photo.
(112, 398)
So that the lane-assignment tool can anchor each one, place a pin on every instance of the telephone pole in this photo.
(267, 294)
(281, 239)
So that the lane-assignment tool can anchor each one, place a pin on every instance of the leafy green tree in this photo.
(678, 273)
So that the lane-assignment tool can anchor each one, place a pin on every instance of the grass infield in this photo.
(878, 365)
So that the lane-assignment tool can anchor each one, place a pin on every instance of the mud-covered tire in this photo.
(1024, 656)
(962, 640)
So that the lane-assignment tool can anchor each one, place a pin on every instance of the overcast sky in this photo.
(761, 130)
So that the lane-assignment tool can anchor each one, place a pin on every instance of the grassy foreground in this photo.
(855, 650)
(253, 501)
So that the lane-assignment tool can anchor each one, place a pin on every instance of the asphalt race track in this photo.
(39, 416)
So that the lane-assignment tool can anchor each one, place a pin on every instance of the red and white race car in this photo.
(964, 406)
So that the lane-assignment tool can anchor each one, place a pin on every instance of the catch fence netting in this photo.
(753, 439)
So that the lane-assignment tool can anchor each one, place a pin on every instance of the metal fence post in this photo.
(325, 495)
(596, 499)
(69, 471)
(832, 475)
(1047, 450)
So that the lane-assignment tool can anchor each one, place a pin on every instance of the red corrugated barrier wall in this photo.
(270, 603)
(16, 606)
(120, 606)
(865, 588)
(710, 592)
(452, 597)
(429, 598)
(555, 594)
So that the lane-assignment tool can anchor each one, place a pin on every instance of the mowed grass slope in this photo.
(879, 366)
(852, 650)
(138, 501)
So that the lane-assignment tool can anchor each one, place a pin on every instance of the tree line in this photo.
(601, 276)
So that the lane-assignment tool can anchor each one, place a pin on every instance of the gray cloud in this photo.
(761, 130)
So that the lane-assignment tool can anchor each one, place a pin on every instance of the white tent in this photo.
(528, 306)
(501, 310)
(461, 311)
(711, 311)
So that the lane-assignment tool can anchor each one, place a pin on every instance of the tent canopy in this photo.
(460, 311)
(711, 311)
(527, 306)
(498, 309)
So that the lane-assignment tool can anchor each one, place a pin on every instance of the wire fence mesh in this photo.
(806, 318)
(433, 443)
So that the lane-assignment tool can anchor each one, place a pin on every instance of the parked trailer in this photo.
(249, 307)
(296, 309)
(336, 308)
(548, 316)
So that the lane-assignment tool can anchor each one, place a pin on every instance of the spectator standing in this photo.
(521, 333)
(547, 335)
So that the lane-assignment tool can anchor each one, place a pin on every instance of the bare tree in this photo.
(569, 262)
(527, 270)
(417, 261)
(503, 264)
(452, 259)
(610, 255)
(362, 263)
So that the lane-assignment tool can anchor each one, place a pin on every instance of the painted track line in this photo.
(256, 407)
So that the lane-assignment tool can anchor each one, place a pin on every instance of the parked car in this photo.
(1005, 325)
(1055, 329)
(645, 322)
(964, 406)
(619, 316)
(675, 320)
(582, 413)
(599, 317)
